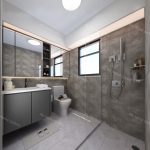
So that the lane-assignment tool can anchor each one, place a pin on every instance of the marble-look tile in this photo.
(50, 83)
(20, 62)
(147, 108)
(84, 91)
(73, 131)
(16, 146)
(147, 34)
(66, 70)
(92, 96)
(130, 106)
(8, 62)
(147, 55)
(107, 138)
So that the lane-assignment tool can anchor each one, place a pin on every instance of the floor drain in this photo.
(135, 147)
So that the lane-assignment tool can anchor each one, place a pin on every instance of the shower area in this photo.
(117, 95)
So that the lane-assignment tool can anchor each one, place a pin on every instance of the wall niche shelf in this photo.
(141, 67)
(46, 59)
(138, 73)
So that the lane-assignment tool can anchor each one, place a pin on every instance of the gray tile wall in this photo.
(127, 113)
(84, 91)
(8, 63)
(147, 54)
(27, 62)
(20, 83)
(66, 59)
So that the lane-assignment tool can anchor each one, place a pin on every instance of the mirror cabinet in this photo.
(25, 56)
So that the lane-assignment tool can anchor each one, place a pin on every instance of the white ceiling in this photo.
(52, 13)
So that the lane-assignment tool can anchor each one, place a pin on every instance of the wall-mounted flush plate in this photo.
(112, 58)
(116, 83)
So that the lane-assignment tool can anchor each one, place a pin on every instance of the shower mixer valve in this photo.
(117, 58)
(112, 58)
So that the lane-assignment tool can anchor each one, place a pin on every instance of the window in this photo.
(52, 71)
(58, 66)
(89, 59)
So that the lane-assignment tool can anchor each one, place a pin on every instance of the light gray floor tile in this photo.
(107, 138)
(73, 130)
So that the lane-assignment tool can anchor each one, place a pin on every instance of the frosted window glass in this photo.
(59, 70)
(89, 49)
(89, 64)
(58, 60)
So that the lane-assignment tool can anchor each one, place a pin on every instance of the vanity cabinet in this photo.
(22, 109)
(17, 111)
(40, 105)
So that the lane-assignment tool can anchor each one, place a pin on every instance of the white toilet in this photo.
(61, 106)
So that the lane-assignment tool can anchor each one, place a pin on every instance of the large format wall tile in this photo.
(91, 95)
(84, 91)
(66, 64)
(126, 113)
(27, 62)
(20, 62)
(147, 54)
(147, 105)
(8, 61)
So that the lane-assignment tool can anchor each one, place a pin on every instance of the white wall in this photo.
(17, 17)
(114, 12)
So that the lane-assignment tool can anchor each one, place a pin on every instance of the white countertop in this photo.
(23, 90)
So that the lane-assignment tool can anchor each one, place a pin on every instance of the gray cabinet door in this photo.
(17, 111)
(40, 105)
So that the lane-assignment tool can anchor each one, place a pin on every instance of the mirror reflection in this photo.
(8, 62)
(57, 61)
(28, 56)
(24, 56)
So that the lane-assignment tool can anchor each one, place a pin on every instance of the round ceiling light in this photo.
(71, 5)
(34, 42)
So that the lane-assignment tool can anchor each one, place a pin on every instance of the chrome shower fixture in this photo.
(120, 58)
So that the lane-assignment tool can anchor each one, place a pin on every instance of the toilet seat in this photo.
(63, 100)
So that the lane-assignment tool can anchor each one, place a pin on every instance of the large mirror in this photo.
(24, 56)
(20, 57)
(8, 58)
(28, 56)
(57, 61)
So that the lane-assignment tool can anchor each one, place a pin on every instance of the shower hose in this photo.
(112, 78)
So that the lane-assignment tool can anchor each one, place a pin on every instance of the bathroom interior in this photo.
(75, 80)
